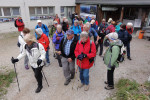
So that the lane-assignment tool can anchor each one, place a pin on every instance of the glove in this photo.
(39, 62)
(80, 57)
(57, 38)
(14, 60)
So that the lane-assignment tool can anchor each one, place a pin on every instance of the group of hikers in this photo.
(76, 43)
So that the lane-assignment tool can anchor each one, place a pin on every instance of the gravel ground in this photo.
(137, 69)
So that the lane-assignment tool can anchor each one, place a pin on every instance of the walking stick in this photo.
(45, 78)
(75, 76)
(16, 74)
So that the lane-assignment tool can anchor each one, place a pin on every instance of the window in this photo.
(0, 12)
(32, 10)
(41, 12)
(51, 11)
(66, 11)
(7, 12)
(45, 10)
(15, 11)
(62, 9)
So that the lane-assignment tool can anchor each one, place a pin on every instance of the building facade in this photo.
(31, 10)
(135, 11)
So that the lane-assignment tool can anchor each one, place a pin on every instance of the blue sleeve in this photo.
(80, 30)
(35, 33)
(95, 33)
(54, 38)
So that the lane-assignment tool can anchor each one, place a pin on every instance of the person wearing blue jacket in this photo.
(43, 27)
(123, 34)
(118, 26)
(57, 37)
(76, 28)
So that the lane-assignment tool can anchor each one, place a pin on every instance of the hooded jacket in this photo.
(85, 48)
(35, 52)
(112, 53)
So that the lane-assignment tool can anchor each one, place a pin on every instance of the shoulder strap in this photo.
(21, 36)
(90, 46)
(56, 33)
(44, 27)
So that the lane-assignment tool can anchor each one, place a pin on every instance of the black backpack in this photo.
(15, 23)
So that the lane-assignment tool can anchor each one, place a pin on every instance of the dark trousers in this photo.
(110, 76)
(128, 49)
(38, 75)
(58, 57)
(101, 48)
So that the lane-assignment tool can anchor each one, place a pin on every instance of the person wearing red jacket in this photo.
(43, 39)
(20, 24)
(111, 28)
(85, 52)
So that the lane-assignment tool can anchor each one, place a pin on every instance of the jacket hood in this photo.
(116, 43)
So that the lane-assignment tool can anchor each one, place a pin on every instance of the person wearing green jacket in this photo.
(110, 58)
(53, 29)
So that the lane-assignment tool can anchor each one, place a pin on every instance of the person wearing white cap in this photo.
(43, 39)
(53, 29)
(36, 55)
(43, 27)
(109, 21)
(110, 58)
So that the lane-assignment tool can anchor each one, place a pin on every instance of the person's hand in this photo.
(58, 52)
(100, 38)
(78, 34)
(57, 38)
(80, 57)
(69, 60)
(14, 60)
(39, 62)
(96, 42)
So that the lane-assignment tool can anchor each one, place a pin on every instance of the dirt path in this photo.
(137, 69)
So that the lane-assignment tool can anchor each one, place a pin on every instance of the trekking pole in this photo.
(75, 76)
(16, 74)
(45, 78)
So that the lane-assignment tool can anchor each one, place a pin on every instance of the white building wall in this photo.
(24, 11)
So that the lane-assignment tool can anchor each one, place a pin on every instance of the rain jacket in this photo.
(112, 53)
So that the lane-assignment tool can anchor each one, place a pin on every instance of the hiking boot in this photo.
(38, 89)
(81, 85)
(72, 77)
(86, 88)
(67, 82)
(106, 82)
(109, 87)
(129, 58)
(26, 67)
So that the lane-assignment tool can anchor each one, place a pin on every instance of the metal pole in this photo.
(45, 78)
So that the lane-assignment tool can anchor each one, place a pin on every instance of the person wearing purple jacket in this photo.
(57, 37)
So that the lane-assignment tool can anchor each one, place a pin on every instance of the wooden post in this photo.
(143, 18)
(99, 14)
(121, 16)
(77, 10)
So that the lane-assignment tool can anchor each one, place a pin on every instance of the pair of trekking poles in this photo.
(17, 76)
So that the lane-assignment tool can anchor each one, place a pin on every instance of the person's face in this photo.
(84, 39)
(59, 30)
(86, 17)
(24, 34)
(128, 27)
(85, 28)
(75, 24)
(40, 24)
(29, 43)
(56, 15)
(55, 25)
(103, 22)
(69, 37)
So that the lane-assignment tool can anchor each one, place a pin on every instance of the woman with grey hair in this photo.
(36, 55)
(85, 52)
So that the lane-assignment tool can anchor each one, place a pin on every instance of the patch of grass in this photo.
(131, 90)
(5, 80)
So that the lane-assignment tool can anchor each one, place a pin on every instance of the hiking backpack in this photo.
(122, 53)
(15, 23)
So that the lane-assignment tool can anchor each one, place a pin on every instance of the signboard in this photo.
(137, 23)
